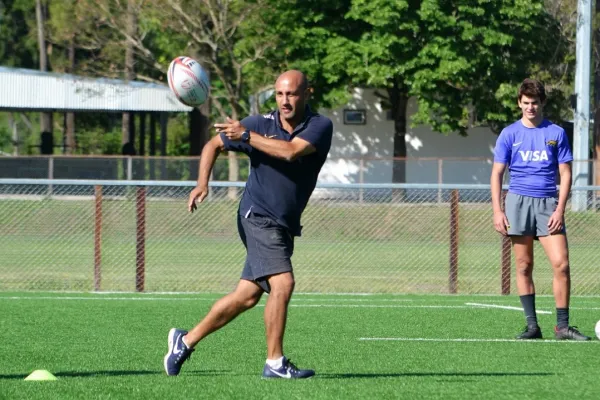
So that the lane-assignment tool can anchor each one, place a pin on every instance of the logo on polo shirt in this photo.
(534, 155)
(551, 143)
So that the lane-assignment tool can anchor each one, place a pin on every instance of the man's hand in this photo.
(199, 193)
(501, 222)
(232, 129)
(556, 222)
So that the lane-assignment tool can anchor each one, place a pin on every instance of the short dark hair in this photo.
(532, 88)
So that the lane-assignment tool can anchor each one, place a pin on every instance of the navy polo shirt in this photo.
(277, 188)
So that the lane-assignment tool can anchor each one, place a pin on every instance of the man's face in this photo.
(531, 107)
(290, 97)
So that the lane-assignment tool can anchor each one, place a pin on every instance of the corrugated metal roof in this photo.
(24, 89)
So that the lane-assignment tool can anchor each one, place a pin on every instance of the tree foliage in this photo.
(462, 61)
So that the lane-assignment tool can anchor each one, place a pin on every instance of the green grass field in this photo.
(104, 346)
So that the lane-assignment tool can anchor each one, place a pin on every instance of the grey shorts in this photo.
(269, 248)
(528, 216)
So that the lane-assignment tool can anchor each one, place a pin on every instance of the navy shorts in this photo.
(269, 248)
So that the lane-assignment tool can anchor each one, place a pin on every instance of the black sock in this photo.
(528, 303)
(562, 318)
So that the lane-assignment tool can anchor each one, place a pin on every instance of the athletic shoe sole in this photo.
(171, 344)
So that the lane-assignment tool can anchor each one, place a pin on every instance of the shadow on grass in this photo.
(432, 374)
(96, 374)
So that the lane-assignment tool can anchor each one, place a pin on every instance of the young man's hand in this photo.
(501, 222)
(199, 193)
(556, 222)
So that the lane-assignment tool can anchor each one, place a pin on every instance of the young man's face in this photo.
(531, 107)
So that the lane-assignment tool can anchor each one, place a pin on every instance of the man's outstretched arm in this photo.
(284, 150)
(209, 155)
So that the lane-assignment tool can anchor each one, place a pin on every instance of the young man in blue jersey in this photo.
(535, 150)
(287, 149)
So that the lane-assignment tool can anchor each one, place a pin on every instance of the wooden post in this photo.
(506, 256)
(98, 240)
(140, 253)
(453, 272)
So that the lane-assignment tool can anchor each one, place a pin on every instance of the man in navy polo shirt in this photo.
(287, 149)
(535, 150)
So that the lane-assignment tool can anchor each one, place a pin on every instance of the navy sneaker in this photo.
(530, 332)
(569, 333)
(178, 352)
(287, 371)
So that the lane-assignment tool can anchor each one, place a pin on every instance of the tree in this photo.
(462, 63)
(45, 117)
(225, 36)
(17, 49)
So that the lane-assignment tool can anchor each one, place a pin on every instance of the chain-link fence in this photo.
(138, 235)
(339, 170)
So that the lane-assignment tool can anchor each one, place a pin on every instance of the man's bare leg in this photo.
(244, 297)
(282, 286)
(523, 249)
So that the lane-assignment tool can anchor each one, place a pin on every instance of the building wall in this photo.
(371, 145)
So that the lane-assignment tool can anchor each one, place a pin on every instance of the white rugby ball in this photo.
(188, 81)
(598, 329)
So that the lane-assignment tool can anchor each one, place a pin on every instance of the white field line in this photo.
(106, 298)
(336, 302)
(504, 307)
(74, 298)
(466, 340)
(215, 299)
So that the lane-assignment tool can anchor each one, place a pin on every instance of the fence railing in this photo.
(457, 170)
(98, 235)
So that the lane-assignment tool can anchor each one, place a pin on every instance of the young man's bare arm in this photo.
(565, 186)
(500, 220)
(496, 185)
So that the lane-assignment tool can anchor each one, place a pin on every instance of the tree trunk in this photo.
(70, 116)
(127, 137)
(399, 102)
(40, 14)
(12, 123)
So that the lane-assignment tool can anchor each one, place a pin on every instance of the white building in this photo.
(432, 157)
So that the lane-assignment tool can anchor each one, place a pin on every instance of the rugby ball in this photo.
(598, 329)
(188, 81)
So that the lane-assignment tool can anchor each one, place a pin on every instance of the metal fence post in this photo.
(129, 168)
(361, 179)
(505, 263)
(50, 174)
(453, 272)
(98, 239)
(440, 179)
(140, 253)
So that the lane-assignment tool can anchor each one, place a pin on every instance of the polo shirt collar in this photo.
(308, 114)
